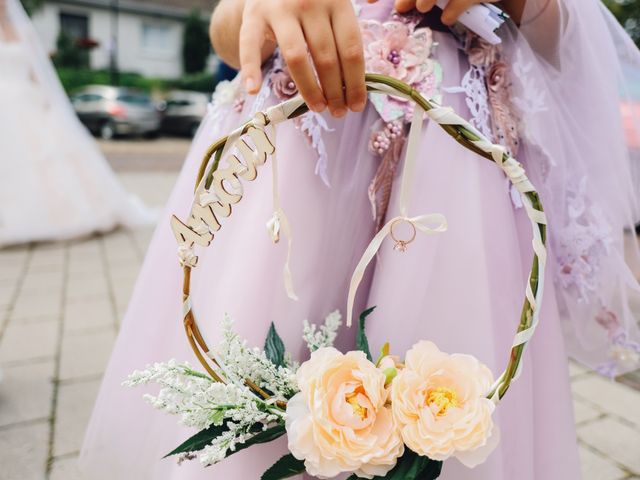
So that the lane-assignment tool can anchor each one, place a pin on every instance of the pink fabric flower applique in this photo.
(399, 50)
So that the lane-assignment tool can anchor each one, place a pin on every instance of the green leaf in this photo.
(274, 347)
(286, 467)
(411, 466)
(205, 437)
(199, 440)
(263, 436)
(361, 337)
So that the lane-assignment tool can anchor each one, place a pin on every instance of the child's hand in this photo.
(451, 13)
(328, 30)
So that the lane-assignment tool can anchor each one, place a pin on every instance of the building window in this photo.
(74, 25)
(156, 37)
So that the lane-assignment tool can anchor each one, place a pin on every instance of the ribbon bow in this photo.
(431, 224)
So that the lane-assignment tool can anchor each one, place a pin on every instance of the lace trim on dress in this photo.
(584, 241)
(487, 89)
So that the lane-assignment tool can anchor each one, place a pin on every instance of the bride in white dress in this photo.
(54, 182)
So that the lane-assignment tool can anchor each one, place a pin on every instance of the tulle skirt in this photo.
(54, 182)
(462, 289)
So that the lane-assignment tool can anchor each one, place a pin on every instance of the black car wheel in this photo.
(107, 131)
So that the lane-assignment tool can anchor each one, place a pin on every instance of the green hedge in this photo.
(73, 78)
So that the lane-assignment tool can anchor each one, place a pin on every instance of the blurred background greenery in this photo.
(71, 58)
(71, 54)
(628, 14)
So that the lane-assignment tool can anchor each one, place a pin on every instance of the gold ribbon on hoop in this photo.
(431, 224)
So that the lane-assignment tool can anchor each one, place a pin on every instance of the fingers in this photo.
(403, 6)
(424, 6)
(317, 32)
(351, 55)
(293, 48)
(454, 9)
(252, 35)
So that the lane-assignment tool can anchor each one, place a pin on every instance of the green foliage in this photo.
(75, 78)
(195, 43)
(198, 441)
(628, 14)
(200, 82)
(286, 467)
(204, 437)
(411, 466)
(274, 347)
(68, 54)
(362, 343)
(31, 6)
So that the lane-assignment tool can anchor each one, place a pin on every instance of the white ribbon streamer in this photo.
(429, 224)
(516, 174)
(279, 221)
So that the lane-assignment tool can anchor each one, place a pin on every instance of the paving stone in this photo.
(597, 467)
(631, 379)
(616, 440)
(583, 412)
(66, 469)
(11, 273)
(89, 315)
(86, 246)
(28, 341)
(142, 238)
(576, 369)
(85, 354)
(36, 283)
(610, 396)
(75, 402)
(14, 256)
(25, 392)
(95, 286)
(47, 259)
(124, 272)
(122, 293)
(7, 294)
(88, 266)
(23, 450)
(37, 305)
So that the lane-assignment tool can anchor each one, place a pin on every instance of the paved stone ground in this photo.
(59, 310)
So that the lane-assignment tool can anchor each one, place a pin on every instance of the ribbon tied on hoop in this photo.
(431, 224)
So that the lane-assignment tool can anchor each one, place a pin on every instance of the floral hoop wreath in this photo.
(219, 187)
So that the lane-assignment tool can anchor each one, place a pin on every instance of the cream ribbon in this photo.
(280, 223)
(423, 223)
(430, 224)
(516, 174)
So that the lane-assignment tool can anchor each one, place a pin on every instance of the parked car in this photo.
(183, 112)
(109, 111)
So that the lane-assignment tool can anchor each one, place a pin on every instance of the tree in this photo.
(69, 54)
(195, 44)
(628, 14)
(31, 6)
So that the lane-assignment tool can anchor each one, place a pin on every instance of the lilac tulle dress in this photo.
(462, 289)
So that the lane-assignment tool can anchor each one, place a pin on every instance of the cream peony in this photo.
(439, 403)
(339, 422)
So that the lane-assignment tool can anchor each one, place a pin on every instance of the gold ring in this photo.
(401, 245)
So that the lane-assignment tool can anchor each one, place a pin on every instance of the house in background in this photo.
(144, 36)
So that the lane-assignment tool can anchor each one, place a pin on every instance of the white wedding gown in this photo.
(54, 182)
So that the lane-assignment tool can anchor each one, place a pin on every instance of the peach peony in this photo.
(439, 403)
(339, 422)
